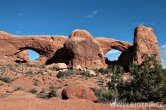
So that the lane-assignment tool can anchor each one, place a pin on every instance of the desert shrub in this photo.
(85, 73)
(19, 88)
(67, 73)
(30, 65)
(61, 74)
(111, 69)
(42, 66)
(58, 87)
(36, 83)
(100, 82)
(55, 87)
(33, 91)
(148, 83)
(54, 68)
(11, 67)
(43, 91)
(70, 72)
(39, 72)
(103, 96)
(6, 79)
(96, 70)
(28, 72)
(115, 69)
(116, 78)
(52, 93)
(2, 68)
(43, 94)
(103, 70)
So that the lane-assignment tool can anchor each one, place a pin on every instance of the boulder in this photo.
(22, 57)
(91, 73)
(60, 66)
(78, 92)
(78, 67)
(145, 42)
(83, 50)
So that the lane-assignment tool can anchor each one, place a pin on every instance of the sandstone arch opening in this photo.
(112, 56)
(26, 55)
(33, 55)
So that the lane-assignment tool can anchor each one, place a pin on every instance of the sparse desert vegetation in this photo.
(78, 72)
(140, 83)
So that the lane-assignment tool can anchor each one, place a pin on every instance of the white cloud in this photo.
(163, 46)
(113, 52)
(91, 15)
(163, 50)
(163, 54)
(138, 23)
(163, 62)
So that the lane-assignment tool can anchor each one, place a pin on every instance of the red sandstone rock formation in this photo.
(84, 50)
(46, 46)
(80, 48)
(8, 53)
(108, 44)
(145, 42)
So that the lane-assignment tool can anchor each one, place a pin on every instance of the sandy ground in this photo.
(20, 100)
(25, 76)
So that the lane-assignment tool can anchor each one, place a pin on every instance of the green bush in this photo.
(103, 70)
(33, 91)
(30, 65)
(2, 68)
(39, 72)
(36, 83)
(103, 96)
(67, 73)
(53, 93)
(61, 74)
(43, 94)
(43, 91)
(42, 66)
(148, 83)
(6, 79)
(116, 69)
(85, 73)
(11, 67)
(28, 72)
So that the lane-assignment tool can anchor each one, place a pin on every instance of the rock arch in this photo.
(46, 46)
(84, 50)
(108, 44)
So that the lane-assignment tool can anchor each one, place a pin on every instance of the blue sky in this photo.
(102, 18)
